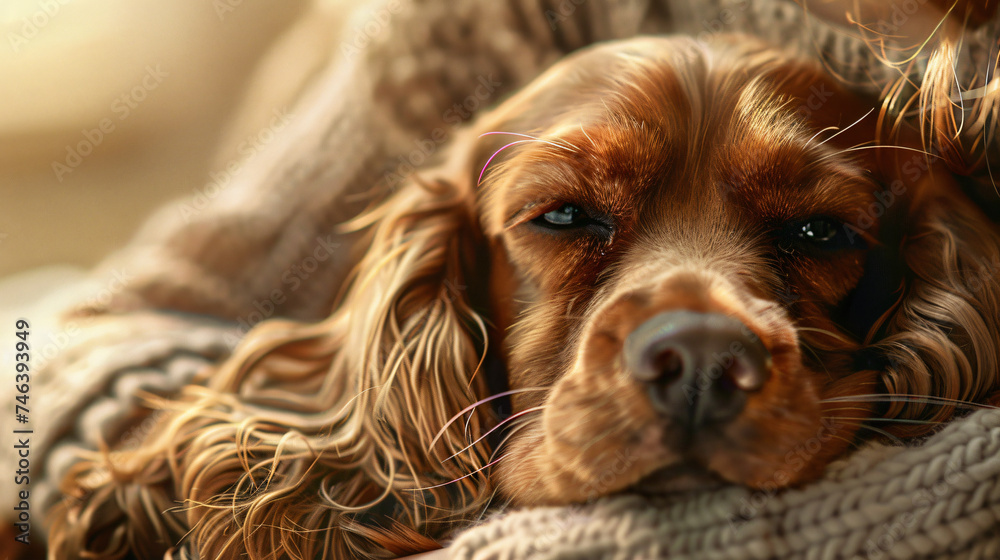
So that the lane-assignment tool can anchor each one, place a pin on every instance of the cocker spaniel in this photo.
(664, 265)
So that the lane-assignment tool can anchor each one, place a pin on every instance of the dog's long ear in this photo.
(323, 440)
(942, 338)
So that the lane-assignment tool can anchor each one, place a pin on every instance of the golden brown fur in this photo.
(357, 436)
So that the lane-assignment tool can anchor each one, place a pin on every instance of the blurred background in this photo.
(109, 108)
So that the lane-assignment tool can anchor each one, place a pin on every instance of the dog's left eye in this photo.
(818, 231)
(823, 233)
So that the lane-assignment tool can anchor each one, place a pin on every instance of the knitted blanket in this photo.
(202, 272)
(936, 500)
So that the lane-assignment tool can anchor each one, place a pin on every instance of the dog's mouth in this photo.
(677, 479)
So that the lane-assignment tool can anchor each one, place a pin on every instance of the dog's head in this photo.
(690, 263)
(704, 269)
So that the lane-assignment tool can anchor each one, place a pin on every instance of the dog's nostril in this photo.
(668, 365)
(699, 367)
(727, 382)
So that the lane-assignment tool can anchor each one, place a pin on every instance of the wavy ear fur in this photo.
(316, 440)
(942, 339)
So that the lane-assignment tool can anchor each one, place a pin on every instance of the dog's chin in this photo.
(678, 479)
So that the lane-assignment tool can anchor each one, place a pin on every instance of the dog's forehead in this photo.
(669, 133)
(730, 146)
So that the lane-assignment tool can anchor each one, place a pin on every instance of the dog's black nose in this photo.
(699, 367)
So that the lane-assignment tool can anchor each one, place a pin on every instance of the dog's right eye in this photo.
(566, 216)
(571, 218)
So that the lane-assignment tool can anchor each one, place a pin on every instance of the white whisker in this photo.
(474, 405)
(513, 430)
(565, 145)
(961, 101)
(878, 431)
(922, 399)
(486, 466)
(493, 429)
(587, 135)
(481, 173)
(859, 148)
(527, 138)
(813, 137)
(844, 130)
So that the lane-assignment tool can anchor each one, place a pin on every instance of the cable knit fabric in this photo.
(937, 500)
(199, 279)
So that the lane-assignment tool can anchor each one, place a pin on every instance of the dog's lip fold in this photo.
(678, 478)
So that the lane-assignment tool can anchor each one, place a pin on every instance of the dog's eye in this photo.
(824, 233)
(818, 231)
(566, 215)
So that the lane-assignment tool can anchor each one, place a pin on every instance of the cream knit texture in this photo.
(937, 500)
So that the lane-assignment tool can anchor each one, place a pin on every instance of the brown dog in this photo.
(683, 260)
